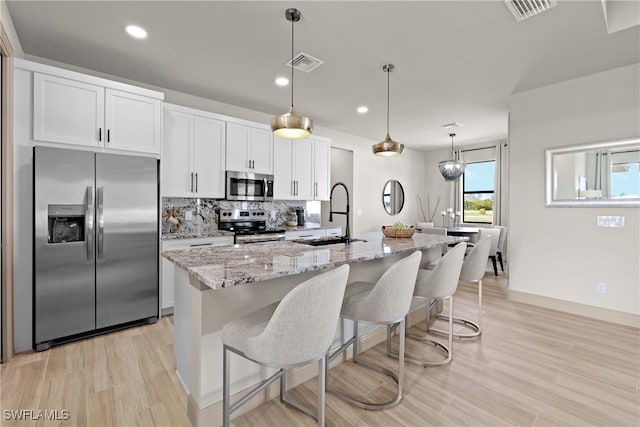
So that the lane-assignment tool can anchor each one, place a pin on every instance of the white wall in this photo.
(559, 252)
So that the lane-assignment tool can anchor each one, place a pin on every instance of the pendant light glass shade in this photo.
(388, 147)
(452, 169)
(291, 124)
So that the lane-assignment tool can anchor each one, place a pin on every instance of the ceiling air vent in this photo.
(523, 9)
(305, 62)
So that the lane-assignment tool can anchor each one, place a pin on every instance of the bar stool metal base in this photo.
(228, 407)
(399, 378)
(444, 349)
(475, 327)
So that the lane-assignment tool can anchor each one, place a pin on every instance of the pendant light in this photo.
(291, 124)
(452, 169)
(388, 147)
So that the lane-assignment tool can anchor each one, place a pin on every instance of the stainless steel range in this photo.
(249, 225)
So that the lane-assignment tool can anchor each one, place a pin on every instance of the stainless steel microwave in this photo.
(249, 186)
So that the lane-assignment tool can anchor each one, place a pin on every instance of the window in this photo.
(478, 192)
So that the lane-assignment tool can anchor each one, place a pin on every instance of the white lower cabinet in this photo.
(167, 287)
(335, 231)
(304, 234)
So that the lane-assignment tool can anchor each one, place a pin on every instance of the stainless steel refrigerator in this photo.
(95, 243)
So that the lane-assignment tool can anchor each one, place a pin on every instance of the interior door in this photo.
(126, 239)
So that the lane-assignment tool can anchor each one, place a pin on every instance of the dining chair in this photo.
(494, 234)
(502, 245)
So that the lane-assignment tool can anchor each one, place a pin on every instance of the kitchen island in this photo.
(214, 285)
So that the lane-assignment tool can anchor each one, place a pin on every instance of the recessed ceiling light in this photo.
(282, 81)
(362, 109)
(135, 31)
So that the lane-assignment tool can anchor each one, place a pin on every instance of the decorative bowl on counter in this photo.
(390, 231)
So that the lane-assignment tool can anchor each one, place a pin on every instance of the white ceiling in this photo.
(455, 60)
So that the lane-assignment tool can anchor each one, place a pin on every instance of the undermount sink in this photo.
(327, 241)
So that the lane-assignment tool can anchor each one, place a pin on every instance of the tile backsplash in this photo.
(198, 215)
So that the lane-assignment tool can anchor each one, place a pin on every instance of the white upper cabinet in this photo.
(132, 122)
(209, 157)
(301, 169)
(322, 169)
(72, 108)
(67, 111)
(193, 154)
(293, 169)
(249, 149)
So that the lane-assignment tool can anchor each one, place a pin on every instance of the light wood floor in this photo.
(532, 367)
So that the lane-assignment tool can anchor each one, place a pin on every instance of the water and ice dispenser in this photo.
(66, 223)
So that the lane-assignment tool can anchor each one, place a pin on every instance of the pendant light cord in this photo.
(388, 95)
(292, 24)
(452, 135)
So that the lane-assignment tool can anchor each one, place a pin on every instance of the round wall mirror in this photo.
(393, 197)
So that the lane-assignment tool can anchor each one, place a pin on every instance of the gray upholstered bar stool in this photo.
(473, 269)
(385, 302)
(296, 331)
(439, 283)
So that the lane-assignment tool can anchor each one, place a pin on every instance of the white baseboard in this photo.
(599, 313)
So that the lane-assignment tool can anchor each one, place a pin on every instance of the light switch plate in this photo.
(610, 221)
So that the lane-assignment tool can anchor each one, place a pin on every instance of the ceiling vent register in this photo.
(523, 9)
(305, 62)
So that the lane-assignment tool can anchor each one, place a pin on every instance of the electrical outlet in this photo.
(188, 216)
(601, 288)
(610, 221)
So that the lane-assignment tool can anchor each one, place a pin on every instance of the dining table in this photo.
(464, 231)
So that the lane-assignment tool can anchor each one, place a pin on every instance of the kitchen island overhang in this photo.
(214, 285)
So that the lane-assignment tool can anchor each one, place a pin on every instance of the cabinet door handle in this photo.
(200, 244)
(191, 188)
(108, 135)
(100, 134)
(253, 164)
(196, 182)
(292, 189)
(295, 187)
(315, 193)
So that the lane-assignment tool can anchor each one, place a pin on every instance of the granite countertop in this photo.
(196, 235)
(225, 266)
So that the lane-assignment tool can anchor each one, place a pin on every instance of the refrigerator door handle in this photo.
(88, 222)
(100, 202)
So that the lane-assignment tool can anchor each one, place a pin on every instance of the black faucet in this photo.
(347, 236)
